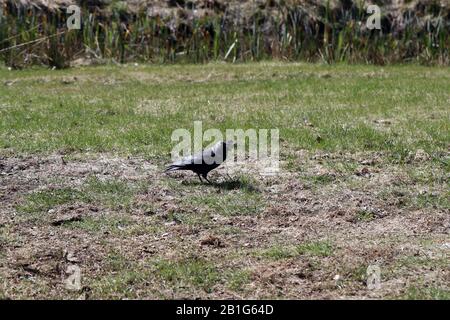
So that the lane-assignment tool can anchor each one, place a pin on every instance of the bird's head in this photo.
(222, 148)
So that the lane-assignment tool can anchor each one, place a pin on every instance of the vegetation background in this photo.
(206, 30)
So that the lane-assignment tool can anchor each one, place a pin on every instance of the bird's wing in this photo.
(207, 156)
(196, 158)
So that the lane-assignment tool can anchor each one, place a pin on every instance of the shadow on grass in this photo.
(236, 183)
(233, 183)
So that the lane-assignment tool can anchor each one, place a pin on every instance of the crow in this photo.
(203, 162)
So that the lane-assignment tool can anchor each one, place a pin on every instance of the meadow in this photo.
(364, 181)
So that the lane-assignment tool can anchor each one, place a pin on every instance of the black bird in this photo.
(203, 162)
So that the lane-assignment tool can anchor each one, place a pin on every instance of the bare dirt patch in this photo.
(310, 232)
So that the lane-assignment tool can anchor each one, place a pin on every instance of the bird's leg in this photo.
(207, 179)
(200, 177)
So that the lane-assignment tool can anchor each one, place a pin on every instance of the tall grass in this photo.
(336, 35)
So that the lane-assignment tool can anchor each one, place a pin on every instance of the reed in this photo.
(30, 37)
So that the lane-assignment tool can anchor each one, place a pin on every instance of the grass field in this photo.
(364, 181)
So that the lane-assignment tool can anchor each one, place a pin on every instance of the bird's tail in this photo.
(172, 167)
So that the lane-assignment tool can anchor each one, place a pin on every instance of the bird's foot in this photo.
(207, 179)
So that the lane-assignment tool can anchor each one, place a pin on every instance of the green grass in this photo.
(42, 201)
(427, 293)
(237, 196)
(316, 248)
(114, 193)
(121, 276)
(190, 271)
(313, 248)
(194, 218)
(111, 193)
(364, 215)
(414, 262)
(117, 262)
(238, 279)
(231, 204)
(438, 200)
(277, 252)
(320, 180)
(418, 199)
(111, 224)
(120, 284)
(89, 116)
